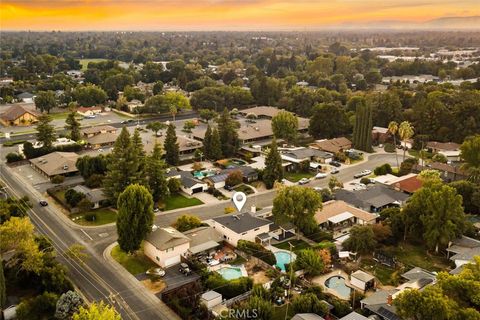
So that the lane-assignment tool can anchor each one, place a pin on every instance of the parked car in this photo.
(304, 181)
(335, 163)
(156, 272)
(362, 173)
(90, 116)
(359, 186)
(43, 203)
(185, 269)
(334, 171)
(321, 175)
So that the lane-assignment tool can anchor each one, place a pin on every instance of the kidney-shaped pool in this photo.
(338, 285)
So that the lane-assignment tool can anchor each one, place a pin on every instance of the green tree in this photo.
(68, 304)
(72, 125)
(309, 303)
(227, 129)
(470, 153)
(207, 143)
(263, 308)
(38, 308)
(362, 239)
(45, 101)
(207, 114)
(215, 146)
(234, 178)
(310, 261)
(155, 173)
(122, 171)
(273, 166)
(298, 205)
(140, 155)
(157, 88)
(362, 131)
(187, 222)
(135, 217)
(392, 129)
(156, 126)
(89, 95)
(405, 131)
(329, 120)
(172, 151)
(188, 126)
(77, 252)
(45, 131)
(285, 126)
(96, 311)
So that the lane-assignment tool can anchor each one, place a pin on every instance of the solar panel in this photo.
(387, 314)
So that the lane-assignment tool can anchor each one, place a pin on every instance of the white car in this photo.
(304, 181)
(334, 171)
(363, 173)
(321, 175)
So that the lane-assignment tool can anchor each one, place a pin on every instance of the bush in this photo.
(14, 157)
(257, 250)
(383, 169)
(389, 148)
(228, 289)
(94, 181)
(73, 197)
(85, 205)
(174, 185)
(58, 179)
(14, 142)
(406, 166)
(365, 180)
(90, 217)
(318, 235)
(439, 158)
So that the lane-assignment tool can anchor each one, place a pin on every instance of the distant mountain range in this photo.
(450, 23)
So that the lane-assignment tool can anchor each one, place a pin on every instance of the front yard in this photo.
(177, 201)
(244, 188)
(101, 216)
(297, 176)
(135, 263)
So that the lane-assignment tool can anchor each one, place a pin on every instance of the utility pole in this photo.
(291, 274)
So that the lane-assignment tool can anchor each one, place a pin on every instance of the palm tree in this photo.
(393, 128)
(173, 111)
(405, 131)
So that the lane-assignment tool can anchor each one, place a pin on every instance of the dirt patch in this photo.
(154, 287)
(259, 277)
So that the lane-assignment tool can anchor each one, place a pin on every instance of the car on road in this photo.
(335, 163)
(320, 175)
(185, 269)
(90, 116)
(304, 181)
(127, 121)
(362, 173)
(334, 171)
(43, 203)
(159, 272)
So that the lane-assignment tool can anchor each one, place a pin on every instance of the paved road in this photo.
(96, 279)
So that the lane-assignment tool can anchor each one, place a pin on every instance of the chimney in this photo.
(253, 209)
(389, 300)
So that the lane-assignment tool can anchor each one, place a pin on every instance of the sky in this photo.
(71, 15)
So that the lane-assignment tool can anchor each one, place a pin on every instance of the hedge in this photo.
(228, 288)
(14, 157)
(12, 143)
(257, 250)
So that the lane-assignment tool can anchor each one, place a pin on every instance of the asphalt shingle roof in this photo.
(242, 222)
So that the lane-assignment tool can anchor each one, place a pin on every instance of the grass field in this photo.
(178, 201)
(136, 263)
(103, 216)
(59, 115)
(297, 244)
(411, 256)
(85, 62)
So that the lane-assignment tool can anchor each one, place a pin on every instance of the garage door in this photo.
(171, 261)
(197, 190)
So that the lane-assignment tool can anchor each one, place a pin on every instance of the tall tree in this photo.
(135, 217)
(207, 141)
(362, 131)
(155, 172)
(140, 155)
(285, 126)
(273, 166)
(123, 167)
(362, 239)
(215, 146)
(393, 128)
(96, 312)
(45, 101)
(45, 131)
(227, 129)
(298, 205)
(172, 153)
(73, 126)
(405, 131)
(470, 153)
(329, 120)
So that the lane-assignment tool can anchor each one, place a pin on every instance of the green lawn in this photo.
(386, 275)
(298, 245)
(279, 312)
(58, 115)
(411, 256)
(85, 62)
(178, 201)
(103, 216)
(296, 176)
(135, 264)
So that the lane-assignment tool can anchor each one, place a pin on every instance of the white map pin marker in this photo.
(239, 199)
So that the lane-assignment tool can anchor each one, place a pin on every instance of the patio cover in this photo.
(203, 247)
(340, 217)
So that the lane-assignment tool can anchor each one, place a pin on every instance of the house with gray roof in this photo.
(95, 196)
(56, 163)
(462, 251)
(354, 316)
(165, 246)
(302, 154)
(242, 226)
(307, 316)
(218, 180)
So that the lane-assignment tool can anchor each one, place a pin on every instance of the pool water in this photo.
(203, 174)
(230, 273)
(337, 284)
(282, 258)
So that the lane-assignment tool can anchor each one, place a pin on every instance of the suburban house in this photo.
(301, 154)
(408, 183)
(218, 180)
(100, 136)
(56, 163)
(334, 145)
(95, 196)
(26, 97)
(89, 111)
(450, 150)
(165, 246)
(461, 251)
(374, 198)
(447, 171)
(203, 239)
(191, 185)
(133, 105)
(267, 112)
(380, 135)
(18, 115)
(186, 146)
(240, 227)
(338, 216)
(362, 280)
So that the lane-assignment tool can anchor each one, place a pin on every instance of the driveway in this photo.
(206, 197)
(174, 278)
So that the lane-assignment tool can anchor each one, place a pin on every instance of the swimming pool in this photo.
(203, 174)
(337, 284)
(230, 273)
(282, 257)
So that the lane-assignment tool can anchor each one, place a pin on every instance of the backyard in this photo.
(386, 275)
(417, 256)
(297, 245)
(102, 216)
(296, 176)
(177, 201)
(136, 263)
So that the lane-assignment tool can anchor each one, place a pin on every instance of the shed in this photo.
(211, 299)
(362, 280)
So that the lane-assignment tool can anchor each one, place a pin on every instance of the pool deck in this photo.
(275, 249)
(225, 265)
(320, 280)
